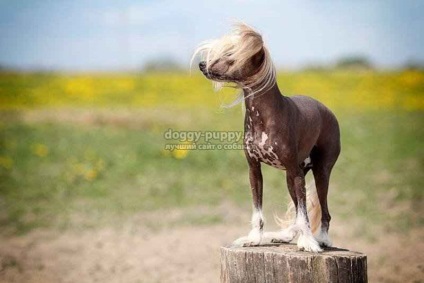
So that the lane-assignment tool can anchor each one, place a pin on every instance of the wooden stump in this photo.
(284, 263)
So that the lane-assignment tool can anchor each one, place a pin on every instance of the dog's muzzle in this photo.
(212, 75)
(202, 66)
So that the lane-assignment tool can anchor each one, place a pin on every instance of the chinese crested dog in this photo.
(296, 134)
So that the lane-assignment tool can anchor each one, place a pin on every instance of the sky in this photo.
(81, 35)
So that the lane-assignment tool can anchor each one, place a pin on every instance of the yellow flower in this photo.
(180, 153)
(80, 87)
(40, 150)
(182, 149)
(125, 84)
(90, 175)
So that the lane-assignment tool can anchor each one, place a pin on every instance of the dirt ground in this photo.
(180, 254)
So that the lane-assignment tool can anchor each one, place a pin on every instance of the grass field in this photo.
(87, 151)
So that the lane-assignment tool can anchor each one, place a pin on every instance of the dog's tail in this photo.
(313, 207)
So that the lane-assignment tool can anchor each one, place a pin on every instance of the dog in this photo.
(296, 134)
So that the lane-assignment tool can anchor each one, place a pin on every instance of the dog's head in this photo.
(239, 58)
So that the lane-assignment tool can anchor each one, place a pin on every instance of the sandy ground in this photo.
(180, 254)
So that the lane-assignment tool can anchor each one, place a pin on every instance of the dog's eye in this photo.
(228, 54)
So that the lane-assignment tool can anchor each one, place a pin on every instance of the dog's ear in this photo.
(258, 58)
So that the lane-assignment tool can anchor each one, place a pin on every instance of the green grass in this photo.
(381, 164)
(97, 174)
(66, 163)
(131, 174)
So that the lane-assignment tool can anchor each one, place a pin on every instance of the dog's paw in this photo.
(279, 237)
(245, 242)
(309, 244)
(254, 238)
(323, 239)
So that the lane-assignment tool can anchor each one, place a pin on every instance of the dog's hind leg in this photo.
(296, 183)
(323, 164)
(254, 237)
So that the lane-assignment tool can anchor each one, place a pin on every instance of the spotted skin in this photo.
(275, 135)
(296, 134)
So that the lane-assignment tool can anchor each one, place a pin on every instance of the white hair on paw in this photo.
(323, 239)
(306, 240)
(255, 235)
(282, 236)
(254, 238)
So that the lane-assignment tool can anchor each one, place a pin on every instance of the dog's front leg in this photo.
(296, 183)
(256, 184)
(254, 237)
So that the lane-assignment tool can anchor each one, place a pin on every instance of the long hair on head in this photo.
(240, 46)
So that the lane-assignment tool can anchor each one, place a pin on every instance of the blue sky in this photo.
(112, 35)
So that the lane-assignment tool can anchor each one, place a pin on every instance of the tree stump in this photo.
(285, 263)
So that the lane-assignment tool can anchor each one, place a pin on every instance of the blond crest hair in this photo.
(240, 46)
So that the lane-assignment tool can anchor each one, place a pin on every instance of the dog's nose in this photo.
(202, 65)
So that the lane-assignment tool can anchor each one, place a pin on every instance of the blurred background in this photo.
(88, 90)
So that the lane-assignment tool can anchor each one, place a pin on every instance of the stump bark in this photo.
(285, 263)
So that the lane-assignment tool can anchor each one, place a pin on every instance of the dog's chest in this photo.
(259, 146)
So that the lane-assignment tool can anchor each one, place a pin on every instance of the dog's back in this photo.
(317, 115)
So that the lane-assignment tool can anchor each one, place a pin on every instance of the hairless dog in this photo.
(295, 134)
